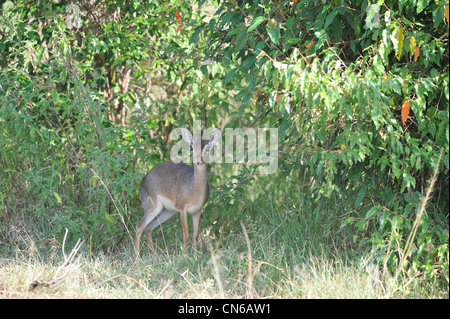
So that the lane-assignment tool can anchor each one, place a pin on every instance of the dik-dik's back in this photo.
(170, 188)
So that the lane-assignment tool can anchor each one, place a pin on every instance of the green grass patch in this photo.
(265, 257)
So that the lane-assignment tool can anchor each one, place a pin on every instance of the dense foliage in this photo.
(359, 92)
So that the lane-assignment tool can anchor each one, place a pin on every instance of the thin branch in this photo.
(68, 267)
(71, 69)
(423, 205)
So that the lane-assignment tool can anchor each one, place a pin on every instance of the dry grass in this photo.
(265, 257)
(233, 272)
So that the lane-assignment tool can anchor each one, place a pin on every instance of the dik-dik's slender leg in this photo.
(196, 223)
(184, 226)
(148, 235)
(161, 218)
(149, 215)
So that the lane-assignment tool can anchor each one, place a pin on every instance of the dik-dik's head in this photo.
(200, 147)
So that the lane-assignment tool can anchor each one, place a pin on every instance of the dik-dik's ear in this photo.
(187, 135)
(213, 139)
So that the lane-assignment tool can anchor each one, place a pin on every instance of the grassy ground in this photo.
(220, 273)
(258, 258)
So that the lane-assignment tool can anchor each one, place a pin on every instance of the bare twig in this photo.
(415, 226)
(67, 267)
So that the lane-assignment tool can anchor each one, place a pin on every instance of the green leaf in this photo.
(360, 196)
(388, 195)
(249, 62)
(226, 18)
(230, 75)
(194, 37)
(361, 224)
(274, 34)
(346, 222)
(255, 23)
(397, 222)
(294, 40)
(438, 16)
(226, 56)
(236, 18)
(250, 82)
(211, 24)
(337, 30)
(234, 31)
(204, 70)
(421, 4)
(330, 18)
(241, 41)
(372, 211)
(434, 73)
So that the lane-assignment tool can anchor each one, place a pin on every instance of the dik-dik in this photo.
(170, 188)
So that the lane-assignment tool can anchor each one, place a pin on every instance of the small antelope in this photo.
(170, 188)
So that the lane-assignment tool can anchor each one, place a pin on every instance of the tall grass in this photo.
(219, 273)
(275, 247)
(265, 257)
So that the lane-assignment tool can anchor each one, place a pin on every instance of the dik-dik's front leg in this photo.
(184, 226)
(196, 223)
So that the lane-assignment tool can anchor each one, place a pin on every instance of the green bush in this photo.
(360, 94)
(87, 103)
(358, 91)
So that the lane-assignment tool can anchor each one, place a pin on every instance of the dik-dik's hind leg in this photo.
(161, 218)
(148, 235)
(149, 215)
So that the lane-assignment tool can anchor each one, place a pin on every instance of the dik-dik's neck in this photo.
(200, 178)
